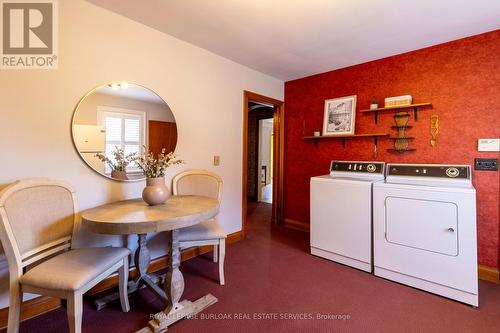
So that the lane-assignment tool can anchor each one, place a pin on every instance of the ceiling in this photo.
(132, 91)
(289, 39)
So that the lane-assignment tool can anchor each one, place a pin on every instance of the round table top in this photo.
(137, 217)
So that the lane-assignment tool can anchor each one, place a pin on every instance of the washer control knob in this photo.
(371, 168)
(452, 172)
(451, 230)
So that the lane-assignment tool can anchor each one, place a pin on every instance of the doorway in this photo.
(265, 147)
(263, 156)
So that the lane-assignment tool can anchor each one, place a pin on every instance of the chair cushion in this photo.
(210, 229)
(73, 269)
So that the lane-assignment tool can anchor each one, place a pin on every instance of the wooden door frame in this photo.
(278, 156)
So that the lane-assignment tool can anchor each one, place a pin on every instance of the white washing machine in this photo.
(341, 212)
(424, 229)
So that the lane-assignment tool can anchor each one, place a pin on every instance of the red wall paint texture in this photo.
(462, 80)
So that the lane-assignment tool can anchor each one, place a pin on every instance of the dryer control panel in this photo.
(433, 171)
(357, 167)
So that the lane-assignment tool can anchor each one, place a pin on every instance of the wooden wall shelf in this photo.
(398, 108)
(403, 138)
(398, 127)
(392, 150)
(375, 137)
(322, 137)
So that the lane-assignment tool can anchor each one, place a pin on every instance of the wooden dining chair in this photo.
(39, 220)
(210, 232)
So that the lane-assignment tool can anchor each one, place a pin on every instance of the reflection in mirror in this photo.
(113, 122)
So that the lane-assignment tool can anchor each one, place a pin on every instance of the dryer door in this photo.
(428, 225)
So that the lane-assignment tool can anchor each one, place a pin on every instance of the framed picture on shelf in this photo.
(340, 115)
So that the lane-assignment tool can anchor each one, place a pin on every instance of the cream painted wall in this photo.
(204, 91)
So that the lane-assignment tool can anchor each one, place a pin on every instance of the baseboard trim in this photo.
(40, 305)
(297, 225)
(32, 308)
(490, 274)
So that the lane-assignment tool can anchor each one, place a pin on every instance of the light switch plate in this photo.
(488, 145)
(216, 160)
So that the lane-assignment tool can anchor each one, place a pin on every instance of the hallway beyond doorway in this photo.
(265, 159)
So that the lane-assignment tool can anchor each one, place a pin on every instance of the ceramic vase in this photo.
(155, 192)
(119, 175)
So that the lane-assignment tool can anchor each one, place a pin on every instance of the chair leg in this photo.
(15, 301)
(122, 285)
(75, 312)
(215, 255)
(222, 252)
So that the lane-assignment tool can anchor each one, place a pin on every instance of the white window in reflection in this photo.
(125, 129)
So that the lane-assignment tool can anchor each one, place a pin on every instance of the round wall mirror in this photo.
(113, 123)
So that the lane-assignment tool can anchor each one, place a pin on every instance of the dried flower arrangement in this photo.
(155, 167)
(121, 160)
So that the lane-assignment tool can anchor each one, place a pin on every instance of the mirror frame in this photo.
(73, 127)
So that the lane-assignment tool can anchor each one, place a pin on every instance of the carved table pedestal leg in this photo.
(174, 281)
(142, 256)
(174, 287)
(142, 259)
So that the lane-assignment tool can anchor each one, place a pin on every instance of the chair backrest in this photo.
(37, 219)
(198, 182)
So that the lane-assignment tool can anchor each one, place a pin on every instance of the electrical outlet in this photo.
(487, 164)
(216, 160)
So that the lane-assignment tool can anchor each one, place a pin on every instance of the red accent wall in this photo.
(462, 80)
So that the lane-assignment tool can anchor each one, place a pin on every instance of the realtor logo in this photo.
(29, 34)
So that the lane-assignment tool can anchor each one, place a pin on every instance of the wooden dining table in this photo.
(137, 217)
